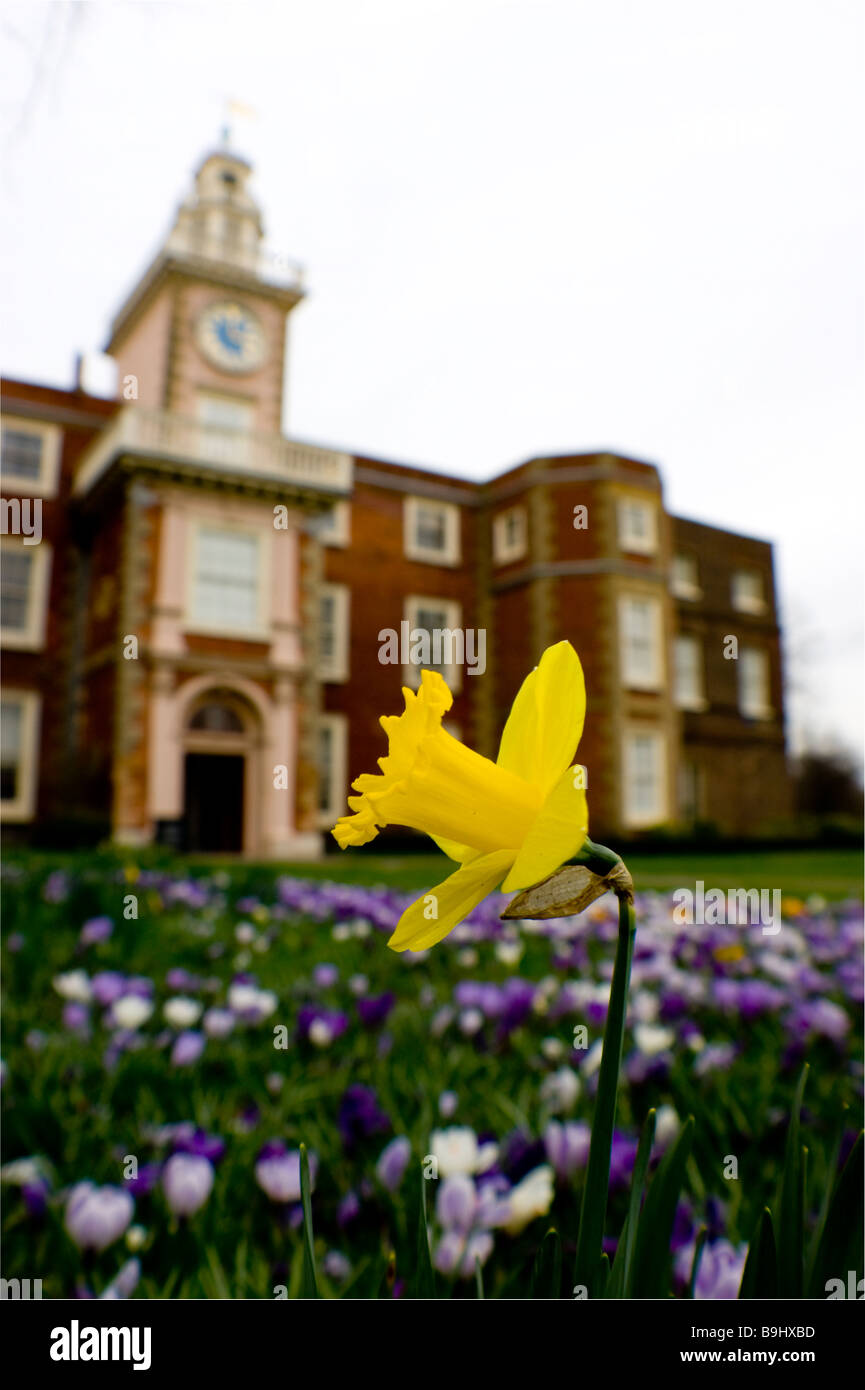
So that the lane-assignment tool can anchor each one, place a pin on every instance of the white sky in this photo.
(534, 227)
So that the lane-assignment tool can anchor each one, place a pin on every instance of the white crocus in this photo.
(456, 1150)
(530, 1198)
(181, 1012)
(560, 1090)
(667, 1126)
(74, 985)
(130, 1011)
(651, 1039)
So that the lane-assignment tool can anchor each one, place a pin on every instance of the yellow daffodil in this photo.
(509, 822)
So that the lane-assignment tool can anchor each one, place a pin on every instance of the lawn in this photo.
(833, 873)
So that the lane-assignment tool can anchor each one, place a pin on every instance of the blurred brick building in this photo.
(195, 607)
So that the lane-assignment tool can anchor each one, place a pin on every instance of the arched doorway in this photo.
(219, 772)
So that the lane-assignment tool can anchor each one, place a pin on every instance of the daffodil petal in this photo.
(453, 900)
(557, 835)
(546, 720)
(453, 850)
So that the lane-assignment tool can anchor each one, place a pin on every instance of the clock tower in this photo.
(195, 509)
(203, 334)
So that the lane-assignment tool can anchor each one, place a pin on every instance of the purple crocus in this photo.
(108, 985)
(348, 1209)
(567, 1146)
(124, 1282)
(218, 1023)
(96, 930)
(320, 1026)
(186, 1181)
(145, 1180)
(97, 1216)
(76, 1017)
(392, 1163)
(187, 1048)
(360, 1116)
(373, 1010)
(719, 1273)
(277, 1173)
(198, 1142)
(456, 1203)
(325, 975)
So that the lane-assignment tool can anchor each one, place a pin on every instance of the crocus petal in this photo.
(557, 835)
(546, 720)
(454, 899)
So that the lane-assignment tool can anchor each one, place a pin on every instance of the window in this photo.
(638, 526)
(689, 673)
(334, 526)
(747, 592)
(690, 788)
(333, 632)
(686, 578)
(436, 641)
(332, 763)
(30, 457)
(22, 454)
(645, 778)
(224, 412)
(24, 574)
(227, 584)
(19, 732)
(754, 702)
(509, 535)
(431, 531)
(214, 717)
(641, 631)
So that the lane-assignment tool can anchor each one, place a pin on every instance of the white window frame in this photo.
(49, 463)
(654, 679)
(630, 540)
(695, 698)
(192, 623)
(32, 637)
(337, 668)
(23, 806)
(450, 554)
(745, 602)
(755, 709)
(505, 551)
(635, 817)
(452, 672)
(338, 782)
(683, 587)
(334, 526)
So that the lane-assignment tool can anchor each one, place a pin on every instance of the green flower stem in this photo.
(596, 858)
(594, 1207)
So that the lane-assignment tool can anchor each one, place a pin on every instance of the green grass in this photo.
(833, 873)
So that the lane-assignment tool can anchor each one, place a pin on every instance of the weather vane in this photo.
(232, 111)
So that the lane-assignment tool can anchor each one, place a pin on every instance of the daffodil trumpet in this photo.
(508, 823)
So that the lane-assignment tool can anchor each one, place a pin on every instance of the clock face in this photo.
(231, 337)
